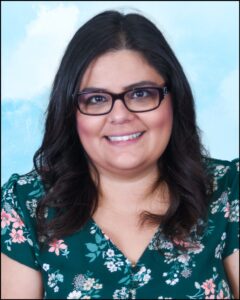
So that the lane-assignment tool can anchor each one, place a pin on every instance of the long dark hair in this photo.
(62, 162)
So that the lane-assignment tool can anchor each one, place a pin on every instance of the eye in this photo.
(95, 99)
(140, 93)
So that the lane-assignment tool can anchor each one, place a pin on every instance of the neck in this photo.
(128, 195)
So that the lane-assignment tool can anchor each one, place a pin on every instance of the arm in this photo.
(19, 281)
(231, 264)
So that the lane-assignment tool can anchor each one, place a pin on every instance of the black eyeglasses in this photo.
(142, 99)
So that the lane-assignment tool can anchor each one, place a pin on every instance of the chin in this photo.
(128, 167)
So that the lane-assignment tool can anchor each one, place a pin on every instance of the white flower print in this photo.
(79, 281)
(142, 276)
(27, 179)
(223, 236)
(88, 284)
(74, 295)
(234, 211)
(111, 266)
(54, 278)
(167, 245)
(98, 286)
(56, 289)
(220, 246)
(110, 253)
(51, 280)
(215, 209)
(172, 282)
(121, 294)
(197, 248)
(218, 251)
(184, 258)
(32, 206)
(220, 203)
(92, 230)
(22, 181)
(146, 278)
(119, 263)
(45, 267)
(219, 172)
(186, 273)
(142, 270)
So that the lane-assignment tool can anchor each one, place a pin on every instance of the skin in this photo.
(19, 281)
(231, 264)
(124, 68)
(126, 172)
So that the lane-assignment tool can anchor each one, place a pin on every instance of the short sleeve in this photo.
(232, 210)
(18, 239)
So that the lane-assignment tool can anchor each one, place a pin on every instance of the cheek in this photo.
(85, 130)
(88, 129)
(163, 119)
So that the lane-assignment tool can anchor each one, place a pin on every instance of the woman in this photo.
(123, 201)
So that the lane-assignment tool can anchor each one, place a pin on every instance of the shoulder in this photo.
(20, 197)
(222, 165)
(27, 184)
(223, 214)
(21, 193)
(225, 173)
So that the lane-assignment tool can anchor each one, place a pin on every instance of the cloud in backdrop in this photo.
(203, 35)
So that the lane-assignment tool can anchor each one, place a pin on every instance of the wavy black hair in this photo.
(62, 162)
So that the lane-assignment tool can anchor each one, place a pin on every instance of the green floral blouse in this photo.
(87, 265)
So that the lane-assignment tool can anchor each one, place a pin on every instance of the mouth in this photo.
(124, 137)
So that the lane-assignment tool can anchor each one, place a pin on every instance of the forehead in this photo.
(114, 70)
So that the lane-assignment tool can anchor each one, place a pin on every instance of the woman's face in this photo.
(114, 71)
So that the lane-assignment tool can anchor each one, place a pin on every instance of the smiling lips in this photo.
(123, 138)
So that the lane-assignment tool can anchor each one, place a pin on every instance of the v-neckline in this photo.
(107, 238)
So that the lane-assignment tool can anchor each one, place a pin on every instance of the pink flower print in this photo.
(227, 210)
(182, 243)
(17, 220)
(220, 295)
(5, 219)
(208, 286)
(210, 297)
(56, 245)
(17, 236)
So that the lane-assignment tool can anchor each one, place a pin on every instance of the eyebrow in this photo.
(128, 87)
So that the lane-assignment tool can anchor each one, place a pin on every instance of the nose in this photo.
(120, 114)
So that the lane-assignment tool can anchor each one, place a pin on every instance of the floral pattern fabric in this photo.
(87, 265)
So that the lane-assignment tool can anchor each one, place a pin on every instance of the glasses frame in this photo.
(162, 92)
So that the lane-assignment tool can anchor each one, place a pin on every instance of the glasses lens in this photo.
(142, 99)
(94, 103)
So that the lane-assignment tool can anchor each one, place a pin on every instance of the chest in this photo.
(96, 268)
(126, 235)
(126, 231)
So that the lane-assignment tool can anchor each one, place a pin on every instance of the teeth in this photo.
(124, 137)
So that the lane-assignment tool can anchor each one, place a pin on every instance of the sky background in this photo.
(203, 34)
